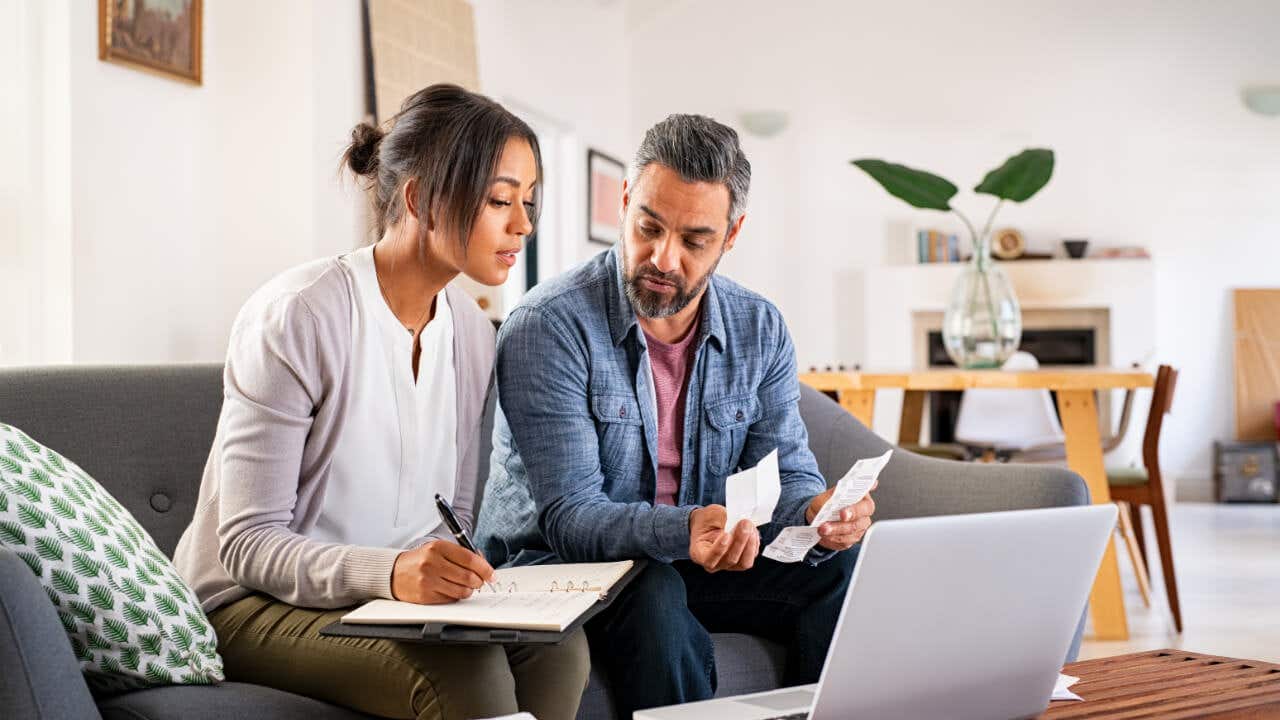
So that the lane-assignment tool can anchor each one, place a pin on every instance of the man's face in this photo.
(673, 236)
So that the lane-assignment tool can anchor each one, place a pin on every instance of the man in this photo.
(629, 389)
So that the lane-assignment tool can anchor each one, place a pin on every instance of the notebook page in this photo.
(597, 578)
(521, 611)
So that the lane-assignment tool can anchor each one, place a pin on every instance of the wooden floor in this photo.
(1228, 565)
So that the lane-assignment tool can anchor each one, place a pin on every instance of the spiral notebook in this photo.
(534, 597)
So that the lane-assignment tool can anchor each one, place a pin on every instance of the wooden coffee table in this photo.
(1169, 684)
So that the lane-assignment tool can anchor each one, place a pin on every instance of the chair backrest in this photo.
(1161, 404)
(1014, 419)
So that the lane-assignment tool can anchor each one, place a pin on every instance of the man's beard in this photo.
(653, 305)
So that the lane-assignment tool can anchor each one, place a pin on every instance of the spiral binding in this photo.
(497, 586)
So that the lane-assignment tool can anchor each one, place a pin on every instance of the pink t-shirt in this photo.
(671, 364)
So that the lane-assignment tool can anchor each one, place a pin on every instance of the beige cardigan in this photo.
(285, 391)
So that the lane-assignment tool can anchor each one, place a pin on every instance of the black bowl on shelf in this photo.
(1075, 248)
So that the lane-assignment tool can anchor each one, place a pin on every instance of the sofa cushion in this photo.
(227, 700)
(131, 620)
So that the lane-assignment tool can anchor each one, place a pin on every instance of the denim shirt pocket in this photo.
(621, 431)
(726, 431)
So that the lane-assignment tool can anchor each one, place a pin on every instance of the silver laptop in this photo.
(959, 616)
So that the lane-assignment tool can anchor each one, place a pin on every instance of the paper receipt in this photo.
(793, 543)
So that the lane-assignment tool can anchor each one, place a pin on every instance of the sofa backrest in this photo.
(144, 432)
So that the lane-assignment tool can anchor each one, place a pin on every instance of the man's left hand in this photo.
(852, 523)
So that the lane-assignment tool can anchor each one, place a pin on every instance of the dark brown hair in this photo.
(449, 140)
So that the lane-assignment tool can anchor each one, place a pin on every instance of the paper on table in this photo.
(793, 543)
(753, 493)
(1060, 691)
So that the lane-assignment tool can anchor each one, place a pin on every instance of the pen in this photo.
(455, 527)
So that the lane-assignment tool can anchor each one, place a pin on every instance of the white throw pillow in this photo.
(131, 620)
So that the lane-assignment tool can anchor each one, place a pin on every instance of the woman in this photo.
(354, 389)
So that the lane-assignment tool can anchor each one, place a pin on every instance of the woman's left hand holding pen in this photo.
(437, 573)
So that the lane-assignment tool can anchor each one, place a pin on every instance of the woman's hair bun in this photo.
(362, 153)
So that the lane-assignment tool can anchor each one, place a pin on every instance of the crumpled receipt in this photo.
(793, 543)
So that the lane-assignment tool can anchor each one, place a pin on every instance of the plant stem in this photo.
(992, 218)
(969, 225)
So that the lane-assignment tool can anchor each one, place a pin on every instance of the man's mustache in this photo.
(653, 272)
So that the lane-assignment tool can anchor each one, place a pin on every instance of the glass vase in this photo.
(982, 325)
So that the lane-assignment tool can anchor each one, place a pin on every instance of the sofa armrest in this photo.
(39, 676)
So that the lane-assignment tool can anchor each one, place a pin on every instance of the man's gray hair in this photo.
(699, 149)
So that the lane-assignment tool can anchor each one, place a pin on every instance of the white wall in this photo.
(563, 66)
(35, 218)
(181, 198)
(1140, 100)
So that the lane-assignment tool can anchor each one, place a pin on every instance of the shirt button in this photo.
(622, 412)
(740, 415)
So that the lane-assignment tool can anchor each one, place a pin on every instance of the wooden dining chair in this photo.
(1136, 487)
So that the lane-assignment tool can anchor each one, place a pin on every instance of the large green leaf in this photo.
(182, 637)
(1020, 177)
(81, 539)
(149, 643)
(116, 630)
(109, 665)
(49, 548)
(135, 614)
(32, 517)
(11, 533)
(87, 566)
(166, 605)
(65, 582)
(96, 641)
(83, 610)
(133, 590)
(62, 508)
(17, 452)
(32, 562)
(158, 675)
(916, 187)
(101, 597)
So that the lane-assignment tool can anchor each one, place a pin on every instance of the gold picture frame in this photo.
(161, 36)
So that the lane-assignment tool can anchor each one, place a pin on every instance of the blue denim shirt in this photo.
(575, 446)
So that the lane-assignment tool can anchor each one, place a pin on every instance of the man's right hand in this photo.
(715, 548)
(438, 572)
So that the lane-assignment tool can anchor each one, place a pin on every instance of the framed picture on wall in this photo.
(604, 198)
(163, 36)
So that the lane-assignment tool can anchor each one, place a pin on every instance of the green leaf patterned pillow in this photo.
(131, 620)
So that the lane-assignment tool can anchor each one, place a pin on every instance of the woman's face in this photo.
(504, 220)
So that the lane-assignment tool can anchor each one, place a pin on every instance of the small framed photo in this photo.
(162, 36)
(604, 198)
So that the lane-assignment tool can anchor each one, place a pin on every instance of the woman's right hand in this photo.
(437, 573)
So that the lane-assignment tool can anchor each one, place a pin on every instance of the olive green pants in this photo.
(268, 642)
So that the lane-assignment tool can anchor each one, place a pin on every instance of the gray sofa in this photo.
(144, 433)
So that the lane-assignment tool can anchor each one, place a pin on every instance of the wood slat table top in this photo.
(1078, 378)
(1171, 684)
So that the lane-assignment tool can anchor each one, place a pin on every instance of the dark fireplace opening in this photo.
(1057, 346)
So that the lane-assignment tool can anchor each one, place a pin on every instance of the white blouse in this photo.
(399, 444)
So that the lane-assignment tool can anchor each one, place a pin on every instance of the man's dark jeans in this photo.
(655, 639)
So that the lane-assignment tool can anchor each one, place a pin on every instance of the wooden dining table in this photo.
(1077, 408)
